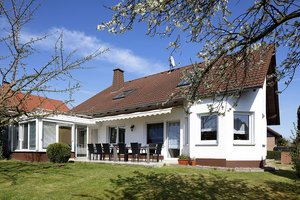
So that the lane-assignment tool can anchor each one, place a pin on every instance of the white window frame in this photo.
(56, 133)
(250, 141)
(208, 142)
(21, 136)
(117, 138)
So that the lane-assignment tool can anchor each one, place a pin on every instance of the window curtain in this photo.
(174, 135)
(49, 134)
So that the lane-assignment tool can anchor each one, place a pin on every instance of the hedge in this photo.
(274, 155)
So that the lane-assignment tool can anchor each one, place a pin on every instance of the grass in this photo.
(21, 180)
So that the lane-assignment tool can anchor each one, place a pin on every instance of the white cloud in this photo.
(85, 44)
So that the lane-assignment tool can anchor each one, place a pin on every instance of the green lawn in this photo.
(21, 180)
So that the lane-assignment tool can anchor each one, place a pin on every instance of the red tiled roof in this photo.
(151, 91)
(30, 103)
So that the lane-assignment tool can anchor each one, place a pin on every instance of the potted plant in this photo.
(192, 161)
(183, 159)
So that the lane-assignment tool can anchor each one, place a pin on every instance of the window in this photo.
(183, 83)
(49, 133)
(29, 136)
(155, 133)
(209, 127)
(15, 139)
(32, 136)
(112, 135)
(242, 126)
(117, 134)
(123, 94)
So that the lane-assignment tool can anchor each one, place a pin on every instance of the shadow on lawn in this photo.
(12, 171)
(175, 186)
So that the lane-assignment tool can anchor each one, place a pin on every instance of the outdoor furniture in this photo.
(91, 151)
(99, 150)
(122, 151)
(106, 150)
(135, 151)
(157, 151)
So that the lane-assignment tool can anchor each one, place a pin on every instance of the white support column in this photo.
(21, 136)
(87, 140)
(40, 133)
(73, 137)
(165, 145)
(37, 134)
(57, 133)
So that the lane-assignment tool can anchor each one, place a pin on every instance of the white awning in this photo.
(135, 115)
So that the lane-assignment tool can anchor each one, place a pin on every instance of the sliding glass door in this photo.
(81, 141)
(173, 133)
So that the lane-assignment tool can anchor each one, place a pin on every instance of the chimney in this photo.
(118, 79)
(5, 85)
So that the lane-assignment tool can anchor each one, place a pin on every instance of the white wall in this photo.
(253, 101)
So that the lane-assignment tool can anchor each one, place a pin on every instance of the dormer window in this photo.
(183, 83)
(123, 94)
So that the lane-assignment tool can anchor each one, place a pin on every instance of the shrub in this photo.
(274, 155)
(295, 153)
(59, 152)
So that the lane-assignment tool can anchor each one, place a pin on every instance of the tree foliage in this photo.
(295, 153)
(220, 27)
(17, 76)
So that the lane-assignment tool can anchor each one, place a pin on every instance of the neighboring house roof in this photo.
(31, 103)
(272, 133)
(151, 92)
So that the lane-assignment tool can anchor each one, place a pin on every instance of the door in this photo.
(173, 134)
(65, 135)
(81, 141)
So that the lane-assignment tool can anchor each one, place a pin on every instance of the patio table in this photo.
(147, 148)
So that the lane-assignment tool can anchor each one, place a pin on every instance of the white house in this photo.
(136, 111)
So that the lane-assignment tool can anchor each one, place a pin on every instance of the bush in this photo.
(295, 153)
(274, 155)
(183, 157)
(59, 152)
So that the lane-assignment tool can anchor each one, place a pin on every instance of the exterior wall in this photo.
(226, 150)
(270, 143)
(32, 156)
(139, 133)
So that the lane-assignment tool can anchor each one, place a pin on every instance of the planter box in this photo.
(183, 162)
(193, 162)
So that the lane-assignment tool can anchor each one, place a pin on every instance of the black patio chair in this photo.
(106, 150)
(122, 151)
(135, 151)
(157, 151)
(91, 151)
(99, 150)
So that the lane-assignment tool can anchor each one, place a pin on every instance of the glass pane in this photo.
(209, 126)
(174, 139)
(49, 134)
(112, 135)
(121, 135)
(32, 137)
(155, 133)
(81, 141)
(15, 137)
(25, 137)
(241, 127)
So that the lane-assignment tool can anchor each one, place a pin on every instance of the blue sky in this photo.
(136, 53)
